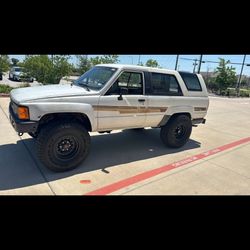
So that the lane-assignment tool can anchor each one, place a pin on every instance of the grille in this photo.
(13, 107)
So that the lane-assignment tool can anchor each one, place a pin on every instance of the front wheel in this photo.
(62, 146)
(177, 131)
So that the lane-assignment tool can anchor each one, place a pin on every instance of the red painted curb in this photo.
(85, 181)
(148, 174)
(4, 95)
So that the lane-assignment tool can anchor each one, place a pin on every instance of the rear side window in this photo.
(191, 81)
(164, 84)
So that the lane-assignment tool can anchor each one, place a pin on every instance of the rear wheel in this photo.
(62, 146)
(177, 131)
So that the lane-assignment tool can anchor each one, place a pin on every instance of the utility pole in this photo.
(199, 67)
(176, 63)
(195, 63)
(238, 83)
(139, 60)
(207, 73)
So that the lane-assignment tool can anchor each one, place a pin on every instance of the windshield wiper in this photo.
(84, 85)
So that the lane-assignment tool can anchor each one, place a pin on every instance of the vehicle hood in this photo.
(18, 73)
(49, 91)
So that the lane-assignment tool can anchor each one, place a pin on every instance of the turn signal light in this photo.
(23, 113)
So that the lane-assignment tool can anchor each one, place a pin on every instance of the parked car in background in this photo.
(18, 74)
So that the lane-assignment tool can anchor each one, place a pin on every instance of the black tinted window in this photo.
(191, 80)
(164, 84)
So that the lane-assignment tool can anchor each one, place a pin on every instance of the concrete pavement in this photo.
(124, 154)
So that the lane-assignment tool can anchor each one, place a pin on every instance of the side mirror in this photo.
(123, 91)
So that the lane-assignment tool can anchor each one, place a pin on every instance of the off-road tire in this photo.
(177, 131)
(53, 152)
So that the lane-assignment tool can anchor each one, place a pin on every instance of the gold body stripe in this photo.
(200, 109)
(129, 109)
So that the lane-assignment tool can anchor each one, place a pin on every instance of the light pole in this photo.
(139, 59)
(195, 63)
(176, 62)
(199, 67)
(239, 80)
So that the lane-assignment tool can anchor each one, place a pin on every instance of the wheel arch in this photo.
(78, 117)
(167, 118)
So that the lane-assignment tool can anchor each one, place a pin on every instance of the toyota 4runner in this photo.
(107, 97)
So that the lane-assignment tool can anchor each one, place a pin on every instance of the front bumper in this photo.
(22, 126)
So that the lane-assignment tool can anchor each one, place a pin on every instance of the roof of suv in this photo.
(128, 66)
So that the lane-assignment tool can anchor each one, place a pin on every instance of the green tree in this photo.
(226, 76)
(47, 70)
(4, 63)
(152, 63)
(61, 67)
(14, 61)
(84, 64)
(104, 59)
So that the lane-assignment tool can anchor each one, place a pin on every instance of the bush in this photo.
(231, 92)
(224, 92)
(24, 85)
(5, 89)
(244, 93)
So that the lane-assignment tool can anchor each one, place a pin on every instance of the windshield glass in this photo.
(96, 77)
(18, 69)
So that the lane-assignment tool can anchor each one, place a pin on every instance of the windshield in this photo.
(96, 77)
(18, 69)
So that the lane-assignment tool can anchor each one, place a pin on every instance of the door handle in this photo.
(141, 100)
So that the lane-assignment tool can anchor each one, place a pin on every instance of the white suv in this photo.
(18, 74)
(106, 98)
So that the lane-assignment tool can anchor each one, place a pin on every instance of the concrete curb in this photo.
(4, 95)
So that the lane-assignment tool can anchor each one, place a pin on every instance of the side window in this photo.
(164, 84)
(132, 81)
(191, 81)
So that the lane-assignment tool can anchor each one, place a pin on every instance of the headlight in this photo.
(23, 113)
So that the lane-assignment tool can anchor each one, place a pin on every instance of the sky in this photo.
(168, 61)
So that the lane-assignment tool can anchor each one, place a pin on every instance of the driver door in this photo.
(124, 104)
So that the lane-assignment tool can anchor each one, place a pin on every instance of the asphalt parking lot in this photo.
(216, 160)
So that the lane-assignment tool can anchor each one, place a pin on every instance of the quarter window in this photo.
(191, 81)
